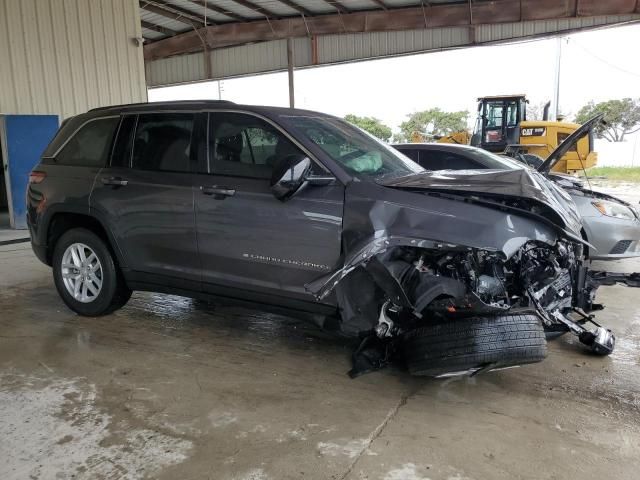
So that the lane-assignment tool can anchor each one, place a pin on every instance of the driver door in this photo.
(251, 244)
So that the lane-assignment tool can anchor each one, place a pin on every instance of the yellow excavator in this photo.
(502, 127)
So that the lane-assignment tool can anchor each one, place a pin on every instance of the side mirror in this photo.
(289, 175)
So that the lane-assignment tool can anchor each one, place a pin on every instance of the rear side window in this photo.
(441, 160)
(90, 146)
(163, 142)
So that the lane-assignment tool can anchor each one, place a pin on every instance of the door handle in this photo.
(114, 181)
(218, 192)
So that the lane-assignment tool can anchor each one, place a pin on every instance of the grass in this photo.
(619, 174)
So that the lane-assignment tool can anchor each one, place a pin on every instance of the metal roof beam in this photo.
(217, 9)
(396, 19)
(158, 29)
(174, 13)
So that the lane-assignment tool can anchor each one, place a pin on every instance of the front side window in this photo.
(358, 152)
(162, 142)
(91, 145)
(243, 145)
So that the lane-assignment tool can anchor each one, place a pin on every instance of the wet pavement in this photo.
(173, 388)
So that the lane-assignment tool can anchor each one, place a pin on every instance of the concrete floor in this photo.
(172, 388)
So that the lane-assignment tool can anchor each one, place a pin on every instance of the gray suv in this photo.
(299, 212)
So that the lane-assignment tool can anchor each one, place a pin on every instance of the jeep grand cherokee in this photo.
(298, 211)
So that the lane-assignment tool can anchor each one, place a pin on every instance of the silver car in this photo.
(610, 225)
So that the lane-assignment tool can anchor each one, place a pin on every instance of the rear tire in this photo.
(461, 345)
(107, 293)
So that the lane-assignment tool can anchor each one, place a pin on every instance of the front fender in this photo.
(377, 219)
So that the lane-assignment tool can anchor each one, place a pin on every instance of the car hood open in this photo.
(568, 143)
(498, 186)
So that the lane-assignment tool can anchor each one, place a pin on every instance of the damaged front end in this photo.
(448, 258)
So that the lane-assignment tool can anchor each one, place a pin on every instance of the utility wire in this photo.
(606, 62)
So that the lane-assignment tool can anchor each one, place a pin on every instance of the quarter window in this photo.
(90, 146)
(245, 146)
(163, 142)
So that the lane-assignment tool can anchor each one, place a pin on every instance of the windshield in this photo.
(358, 152)
(493, 161)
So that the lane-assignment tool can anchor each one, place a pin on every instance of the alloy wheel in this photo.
(82, 272)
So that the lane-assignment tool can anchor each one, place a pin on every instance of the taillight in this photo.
(37, 177)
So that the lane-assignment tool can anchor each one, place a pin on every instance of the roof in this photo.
(201, 40)
(500, 97)
(198, 105)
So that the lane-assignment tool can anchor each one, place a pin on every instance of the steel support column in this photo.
(290, 66)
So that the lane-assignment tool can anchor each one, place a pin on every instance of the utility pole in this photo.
(555, 102)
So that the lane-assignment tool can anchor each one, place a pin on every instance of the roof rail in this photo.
(168, 102)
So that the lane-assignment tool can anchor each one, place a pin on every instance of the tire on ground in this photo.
(462, 344)
(114, 293)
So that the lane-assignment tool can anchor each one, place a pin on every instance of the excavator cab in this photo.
(498, 122)
(502, 127)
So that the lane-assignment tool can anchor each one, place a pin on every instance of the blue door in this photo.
(23, 138)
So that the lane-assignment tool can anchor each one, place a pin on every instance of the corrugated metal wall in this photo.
(67, 56)
(272, 56)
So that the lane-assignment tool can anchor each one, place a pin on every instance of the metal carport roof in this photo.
(195, 40)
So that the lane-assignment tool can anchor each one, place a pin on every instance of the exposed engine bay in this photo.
(463, 269)
(422, 285)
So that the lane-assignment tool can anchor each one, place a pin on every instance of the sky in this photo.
(596, 65)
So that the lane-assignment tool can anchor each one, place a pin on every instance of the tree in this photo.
(621, 117)
(535, 111)
(372, 125)
(435, 122)
(400, 137)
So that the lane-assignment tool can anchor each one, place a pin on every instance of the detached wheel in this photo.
(86, 275)
(462, 345)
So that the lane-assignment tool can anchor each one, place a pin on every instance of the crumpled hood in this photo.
(496, 184)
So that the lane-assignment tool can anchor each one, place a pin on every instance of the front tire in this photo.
(86, 275)
(469, 344)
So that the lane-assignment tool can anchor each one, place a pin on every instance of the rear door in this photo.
(250, 243)
(145, 196)
(71, 162)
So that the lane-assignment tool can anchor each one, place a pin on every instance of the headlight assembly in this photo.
(613, 209)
